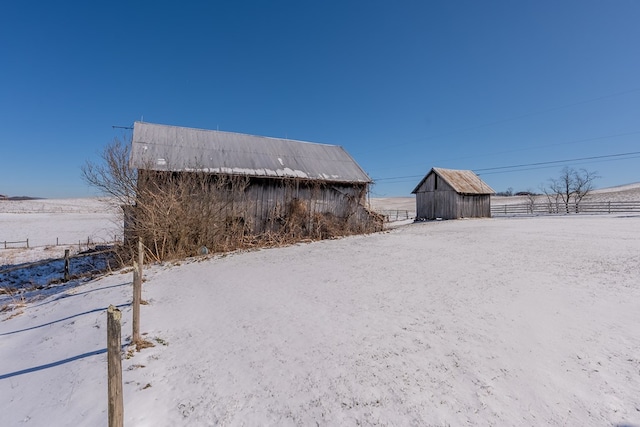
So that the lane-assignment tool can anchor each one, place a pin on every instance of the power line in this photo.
(551, 166)
(398, 177)
(529, 166)
(536, 147)
(558, 161)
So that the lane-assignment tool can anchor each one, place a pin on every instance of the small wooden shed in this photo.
(452, 194)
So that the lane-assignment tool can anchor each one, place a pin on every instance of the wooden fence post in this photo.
(137, 297)
(140, 257)
(137, 292)
(67, 276)
(114, 367)
(27, 243)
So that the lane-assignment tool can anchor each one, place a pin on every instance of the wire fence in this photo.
(22, 266)
(37, 268)
(86, 244)
(49, 273)
(548, 208)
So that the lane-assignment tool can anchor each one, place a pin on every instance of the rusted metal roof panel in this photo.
(462, 181)
(173, 148)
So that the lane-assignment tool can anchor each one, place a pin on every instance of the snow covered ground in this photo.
(510, 321)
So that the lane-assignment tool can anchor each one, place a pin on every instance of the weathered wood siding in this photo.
(269, 204)
(436, 199)
(474, 206)
(265, 202)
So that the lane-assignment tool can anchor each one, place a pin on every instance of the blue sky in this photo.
(403, 86)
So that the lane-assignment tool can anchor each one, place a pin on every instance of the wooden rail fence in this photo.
(18, 242)
(397, 214)
(546, 208)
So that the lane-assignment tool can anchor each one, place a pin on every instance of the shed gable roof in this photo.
(173, 148)
(462, 181)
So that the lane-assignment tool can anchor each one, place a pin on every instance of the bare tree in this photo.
(172, 213)
(112, 176)
(531, 200)
(583, 185)
(553, 199)
(562, 186)
(571, 187)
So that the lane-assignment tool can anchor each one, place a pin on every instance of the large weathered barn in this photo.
(260, 184)
(452, 194)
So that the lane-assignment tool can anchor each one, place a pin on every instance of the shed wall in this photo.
(474, 206)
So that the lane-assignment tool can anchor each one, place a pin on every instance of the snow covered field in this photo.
(46, 222)
(510, 321)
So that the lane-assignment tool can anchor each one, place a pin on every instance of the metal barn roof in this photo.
(462, 181)
(173, 148)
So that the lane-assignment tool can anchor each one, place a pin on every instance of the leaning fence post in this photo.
(66, 265)
(114, 367)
